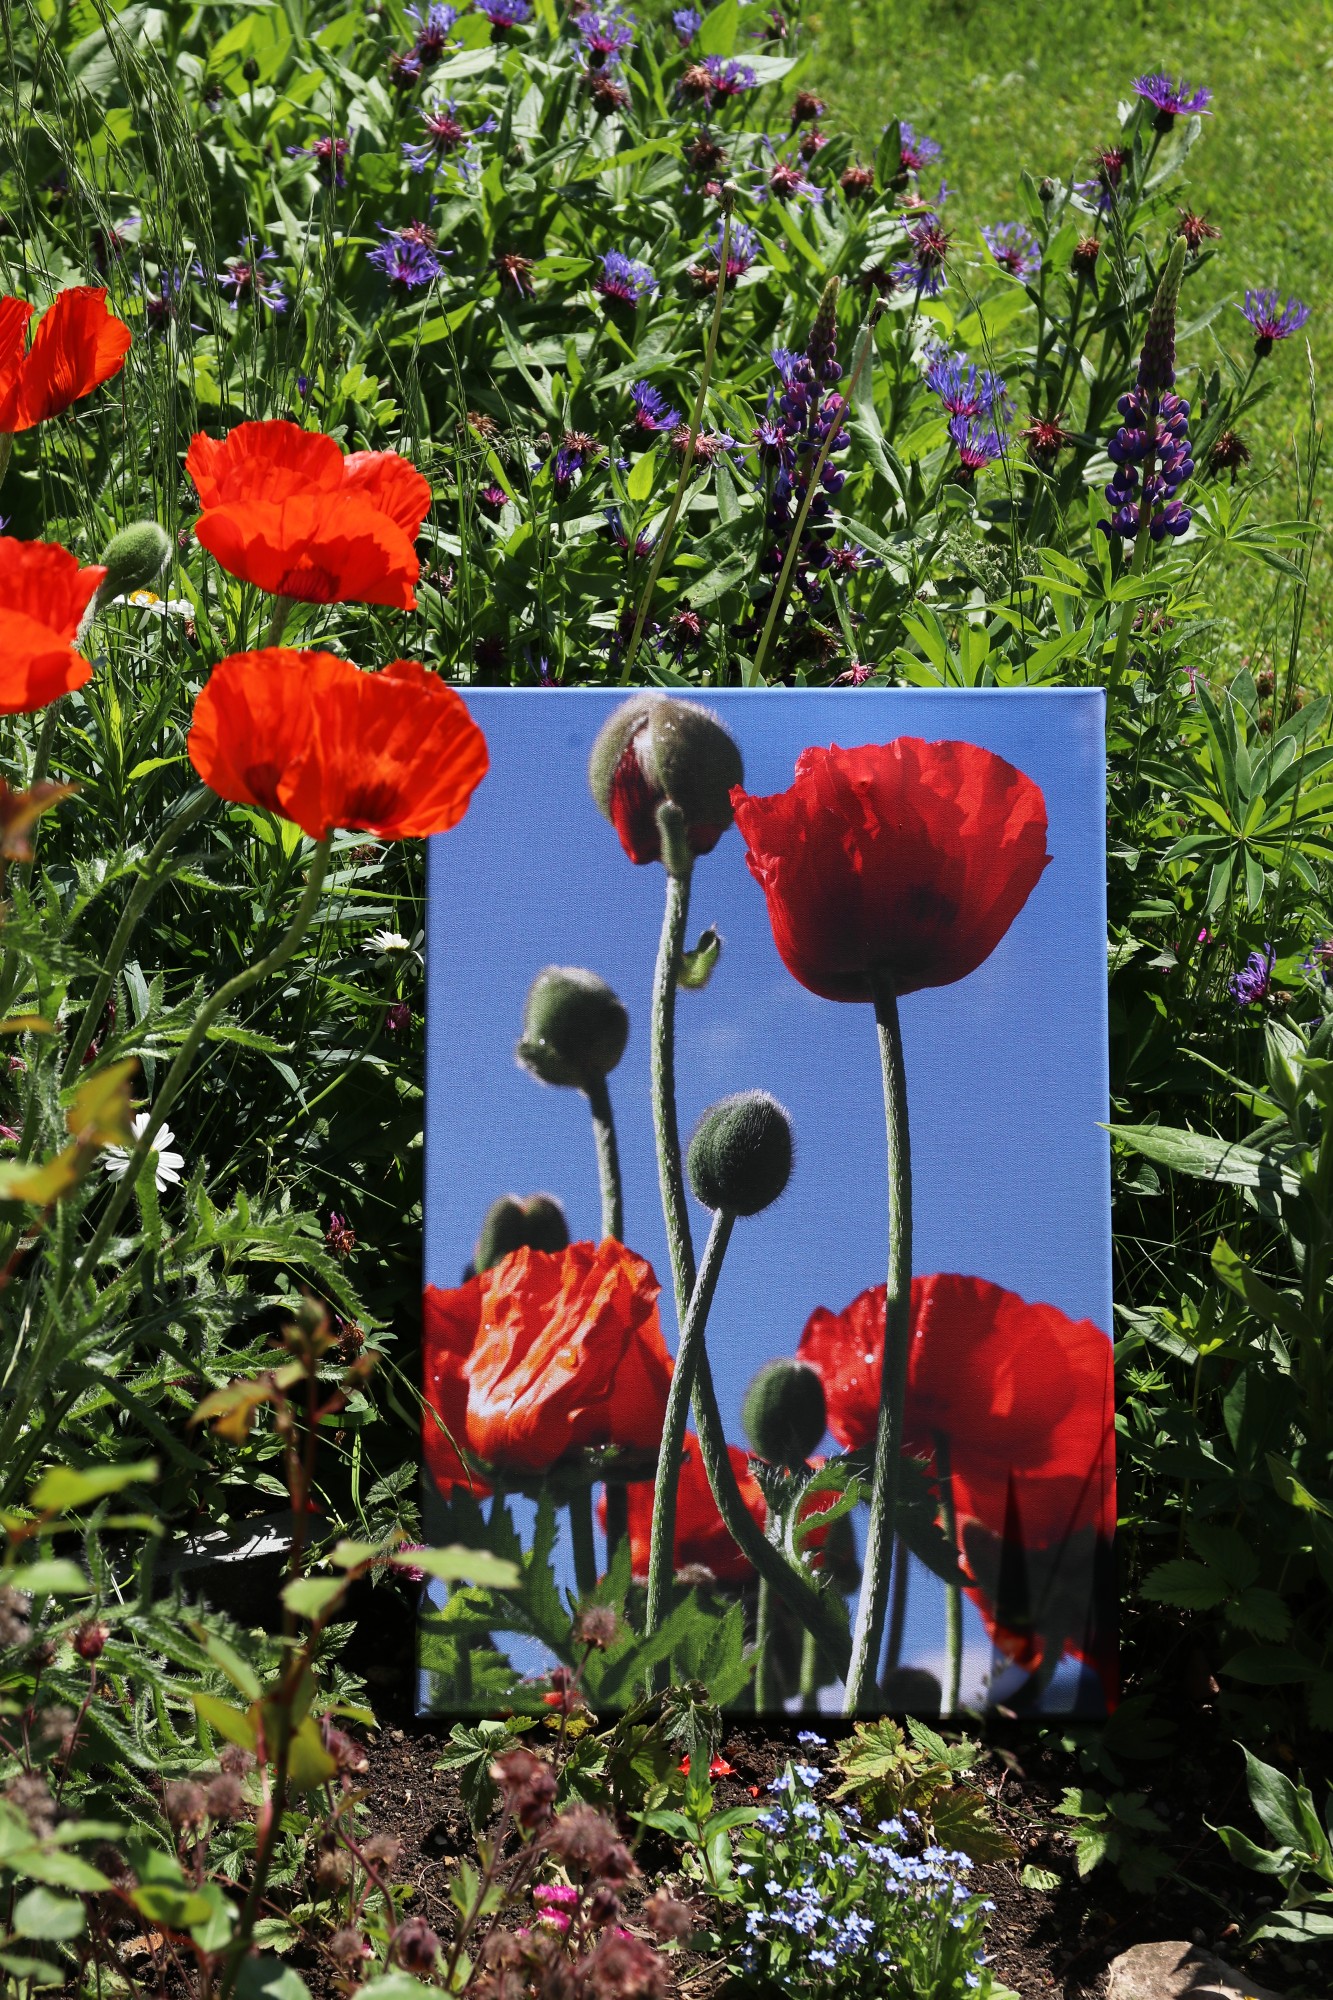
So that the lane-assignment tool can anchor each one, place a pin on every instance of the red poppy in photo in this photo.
(312, 737)
(908, 859)
(77, 346)
(1022, 1394)
(449, 1323)
(284, 510)
(567, 1351)
(43, 596)
(702, 1537)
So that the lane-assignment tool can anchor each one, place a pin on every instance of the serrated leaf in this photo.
(1187, 1584)
(1261, 1612)
(962, 1820)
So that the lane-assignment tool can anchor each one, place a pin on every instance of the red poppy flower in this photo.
(702, 1536)
(284, 510)
(548, 1351)
(316, 739)
(78, 344)
(909, 859)
(449, 1324)
(43, 596)
(1023, 1395)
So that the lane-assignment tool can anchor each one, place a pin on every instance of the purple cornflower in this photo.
(923, 272)
(786, 182)
(576, 451)
(625, 279)
(161, 306)
(718, 77)
(916, 149)
(1320, 961)
(406, 260)
(652, 412)
(1254, 981)
(742, 248)
(604, 36)
(963, 390)
(643, 544)
(444, 137)
(1014, 248)
(328, 155)
(686, 21)
(856, 675)
(504, 15)
(432, 34)
(404, 70)
(397, 1020)
(977, 443)
(1272, 321)
(243, 277)
(1171, 100)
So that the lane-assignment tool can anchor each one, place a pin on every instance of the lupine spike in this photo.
(1157, 364)
(823, 343)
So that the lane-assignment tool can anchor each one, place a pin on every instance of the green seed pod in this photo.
(134, 559)
(513, 1224)
(785, 1414)
(574, 1028)
(654, 748)
(740, 1156)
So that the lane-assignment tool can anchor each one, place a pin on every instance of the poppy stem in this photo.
(661, 1559)
(898, 1605)
(869, 1631)
(608, 1158)
(581, 1537)
(277, 624)
(766, 1701)
(6, 447)
(663, 1076)
(953, 1602)
(810, 1676)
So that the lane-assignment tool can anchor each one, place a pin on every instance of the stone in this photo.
(1176, 1970)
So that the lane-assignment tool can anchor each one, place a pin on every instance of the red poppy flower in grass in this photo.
(449, 1323)
(284, 510)
(1021, 1393)
(314, 738)
(702, 1537)
(43, 596)
(907, 860)
(78, 345)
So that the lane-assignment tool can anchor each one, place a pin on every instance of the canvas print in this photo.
(766, 1328)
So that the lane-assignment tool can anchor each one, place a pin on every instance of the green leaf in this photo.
(65, 1487)
(60, 1870)
(311, 1596)
(640, 482)
(1206, 1158)
(267, 1978)
(1187, 1584)
(1039, 1878)
(236, 1724)
(456, 1564)
(36, 1971)
(396, 1986)
(56, 1577)
(717, 36)
(1269, 1666)
(179, 1908)
(1286, 1810)
(50, 1919)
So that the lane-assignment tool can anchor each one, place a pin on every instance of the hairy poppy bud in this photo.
(654, 749)
(574, 1028)
(740, 1155)
(513, 1224)
(134, 559)
(785, 1414)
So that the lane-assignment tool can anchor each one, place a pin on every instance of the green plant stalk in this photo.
(898, 1604)
(953, 1598)
(145, 888)
(766, 1700)
(687, 459)
(661, 1563)
(809, 1670)
(608, 1159)
(864, 348)
(870, 1610)
(6, 450)
(581, 1537)
(277, 624)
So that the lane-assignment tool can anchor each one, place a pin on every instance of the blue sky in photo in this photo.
(1006, 1070)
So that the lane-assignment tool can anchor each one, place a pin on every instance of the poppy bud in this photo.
(785, 1415)
(510, 1224)
(740, 1155)
(653, 749)
(134, 559)
(574, 1027)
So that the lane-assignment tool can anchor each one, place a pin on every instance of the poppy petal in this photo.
(450, 1321)
(14, 317)
(36, 664)
(314, 550)
(252, 716)
(391, 485)
(47, 582)
(78, 345)
(269, 461)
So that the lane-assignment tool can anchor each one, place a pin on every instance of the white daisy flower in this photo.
(161, 607)
(167, 1172)
(385, 944)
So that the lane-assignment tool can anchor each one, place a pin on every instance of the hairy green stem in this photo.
(953, 1602)
(766, 1701)
(869, 1631)
(580, 1534)
(898, 1605)
(617, 1518)
(608, 1159)
(145, 888)
(277, 624)
(661, 1563)
(810, 1674)
(6, 447)
(662, 1057)
(687, 457)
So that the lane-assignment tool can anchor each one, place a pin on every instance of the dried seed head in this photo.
(669, 1917)
(30, 1795)
(348, 1947)
(597, 1626)
(346, 1754)
(415, 1946)
(184, 1805)
(236, 1761)
(382, 1849)
(14, 1628)
(626, 1968)
(90, 1640)
(589, 1845)
(224, 1798)
(527, 1786)
(332, 1869)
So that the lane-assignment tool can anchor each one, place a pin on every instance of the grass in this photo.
(1033, 84)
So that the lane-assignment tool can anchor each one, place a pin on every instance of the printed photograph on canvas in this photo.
(766, 1317)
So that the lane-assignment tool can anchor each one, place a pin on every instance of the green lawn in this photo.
(1014, 85)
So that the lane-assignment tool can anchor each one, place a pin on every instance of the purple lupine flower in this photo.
(1151, 447)
(625, 279)
(923, 272)
(243, 277)
(978, 444)
(1171, 100)
(687, 22)
(1254, 981)
(916, 149)
(604, 36)
(432, 34)
(788, 440)
(504, 15)
(963, 390)
(575, 453)
(407, 260)
(328, 155)
(1272, 321)
(1014, 248)
(652, 412)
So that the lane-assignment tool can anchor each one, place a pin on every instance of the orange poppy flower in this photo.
(314, 738)
(43, 596)
(78, 344)
(449, 1323)
(284, 510)
(702, 1536)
